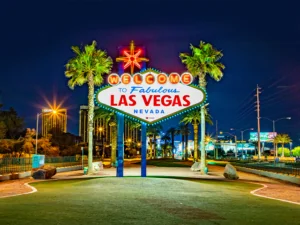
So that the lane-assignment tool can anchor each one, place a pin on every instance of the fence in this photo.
(17, 165)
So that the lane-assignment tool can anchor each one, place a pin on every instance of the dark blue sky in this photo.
(260, 42)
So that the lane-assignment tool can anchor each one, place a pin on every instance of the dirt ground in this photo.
(275, 188)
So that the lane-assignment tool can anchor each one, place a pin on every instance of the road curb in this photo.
(278, 176)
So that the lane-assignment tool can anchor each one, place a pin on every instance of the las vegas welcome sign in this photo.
(150, 96)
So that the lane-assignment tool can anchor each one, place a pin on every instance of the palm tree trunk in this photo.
(150, 145)
(114, 146)
(182, 146)
(154, 147)
(195, 125)
(202, 83)
(282, 153)
(186, 147)
(203, 154)
(173, 137)
(90, 122)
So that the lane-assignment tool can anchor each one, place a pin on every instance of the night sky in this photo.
(260, 42)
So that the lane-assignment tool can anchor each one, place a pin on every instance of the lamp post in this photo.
(274, 121)
(37, 125)
(129, 140)
(102, 140)
(242, 136)
(235, 139)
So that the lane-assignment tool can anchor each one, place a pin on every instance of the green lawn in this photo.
(136, 200)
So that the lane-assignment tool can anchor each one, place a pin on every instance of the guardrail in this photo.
(16, 165)
(285, 170)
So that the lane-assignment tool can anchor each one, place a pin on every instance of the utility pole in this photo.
(216, 149)
(258, 119)
(216, 130)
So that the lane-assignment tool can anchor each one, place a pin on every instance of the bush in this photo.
(286, 152)
(296, 151)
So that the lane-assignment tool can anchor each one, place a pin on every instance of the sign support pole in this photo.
(144, 151)
(120, 146)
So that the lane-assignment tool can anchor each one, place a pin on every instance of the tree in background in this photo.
(152, 133)
(172, 132)
(194, 118)
(184, 131)
(166, 139)
(296, 151)
(13, 123)
(282, 139)
(284, 151)
(110, 118)
(3, 130)
(88, 66)
(29, 141)
(6, 146)
(203, 60)
(63, 140)
(133, 128)
(45, 147)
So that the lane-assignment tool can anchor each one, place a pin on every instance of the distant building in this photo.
(102, 131)
(54, 123)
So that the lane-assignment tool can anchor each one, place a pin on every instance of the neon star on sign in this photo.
(132, 58)
(150, 96)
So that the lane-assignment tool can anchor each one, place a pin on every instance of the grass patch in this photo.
(139, 200)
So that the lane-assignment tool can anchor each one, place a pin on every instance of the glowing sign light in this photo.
(132, 58)
(151, 96)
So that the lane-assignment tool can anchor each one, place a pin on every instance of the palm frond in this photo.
(203, 60)
(87, 61)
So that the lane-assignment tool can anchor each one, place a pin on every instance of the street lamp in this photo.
(242, 136)
(37, 124)
(234, 140)
(102, 140)
(274, 121)
(242, 132)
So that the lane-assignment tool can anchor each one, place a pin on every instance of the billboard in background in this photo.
(264, 136)
(245, 146)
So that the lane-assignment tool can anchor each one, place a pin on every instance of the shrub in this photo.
(286, 152)
(296, 151)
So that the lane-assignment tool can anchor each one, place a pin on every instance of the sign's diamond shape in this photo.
(150, 103)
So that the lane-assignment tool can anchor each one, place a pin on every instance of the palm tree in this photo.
(282, 139)
(166, 138)
(110, 118)
(88, 66)
(194, 117)
(172, 132)
(152, 132)
(133, 126)
(184, 131)
(204, 60)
